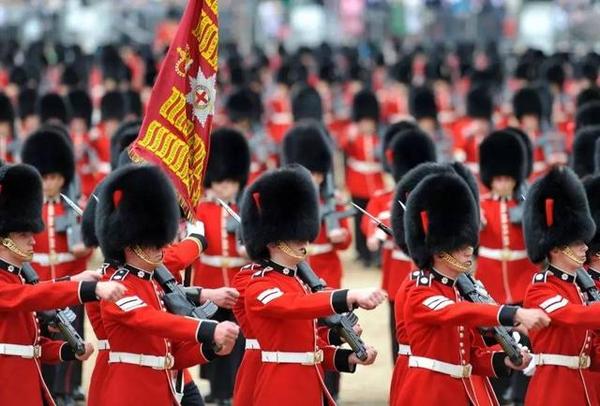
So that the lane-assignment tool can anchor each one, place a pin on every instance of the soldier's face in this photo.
(317, 178)
(53, 184)
(579, 249)
(5, 130)
(464, 254)
(24, 241)
(503, 186)
(225, 190)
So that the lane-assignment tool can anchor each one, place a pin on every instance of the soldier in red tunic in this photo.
(59, 251)
(279, 219)
(503, 266)
(22, 348)
(441, 234)
(364, 171)
(408, 149)
(558, 225)
(136, 218)
(226, 175)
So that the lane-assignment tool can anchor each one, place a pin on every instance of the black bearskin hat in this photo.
(308, 145)
(479, 103)
(307, 104)
(588, 114)
(435, 225)
(409, 149)
(528, 148)
(527, 101)
(587, 95)
(88, 219)
(81, 106)
(123, 137)
(7, 112)
(502, 153)
(27, 103)
(592, 189)
(403, 189)
(281, 205)
(584, 149)
(243, 105)
(556, 213)
(113, 106)
(133, 103)
(229, 157)
(422, 103)
(390, 133)
(52, 106)
(137, 206)
(50, 151)
(365, 106)
(21, 199)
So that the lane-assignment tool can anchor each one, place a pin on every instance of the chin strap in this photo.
(10, 244)
(286, 249)
(142, 255)
(571, 255)
(455, 263)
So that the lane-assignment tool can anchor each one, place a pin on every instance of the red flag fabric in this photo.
(175, 133)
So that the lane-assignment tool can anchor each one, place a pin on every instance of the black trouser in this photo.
(514, 387)
(332, 382)
(191, 395)
(395, 346)
(222, 370)
(63, 378)
(360, 240)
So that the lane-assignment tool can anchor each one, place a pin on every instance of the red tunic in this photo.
(395, 264)
(220, 262)
(139, 324)
(52, 258)
(22, 382)
(282, 314)
(279, 116)
(323, 254)
(401, 365)
(364, 173)
(503, 266)
(466, 141)
(570, 334)
(245, 379)
(439, 326)
(100, 370)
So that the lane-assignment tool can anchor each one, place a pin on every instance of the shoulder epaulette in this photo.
(261, 272)
(119, 275)
(424, 279)
(540, 277)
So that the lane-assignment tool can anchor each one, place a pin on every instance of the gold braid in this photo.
(286, 249)
(571, 255)
(455, 263)
(10, 244)
(142, 255)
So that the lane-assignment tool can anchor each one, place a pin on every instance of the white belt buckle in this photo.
(466, 371)
(317, 358)
(169, 361)
(584, 362)
(506, 255)
(37, 351)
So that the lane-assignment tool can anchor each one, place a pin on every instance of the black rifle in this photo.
(61, 318)
(387, 230)
(587, 285)
(329, 211)
(340, 323)
(178, 302)
(472, 290)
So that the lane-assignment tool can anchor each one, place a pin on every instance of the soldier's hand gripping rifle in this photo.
(472, 290)
(341, 323)
(587, 285)
(178, 300)
(183, 301)
(329, 212)
(60, 318)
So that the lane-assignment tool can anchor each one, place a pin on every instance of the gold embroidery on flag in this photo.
(207, 34)
(173, 110)
(184, 62)
(213, 5)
